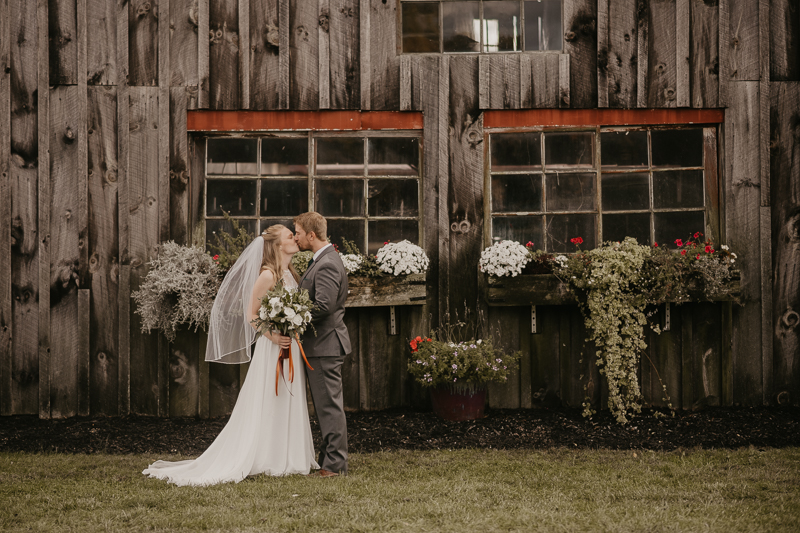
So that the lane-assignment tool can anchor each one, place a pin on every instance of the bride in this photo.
(266, 433)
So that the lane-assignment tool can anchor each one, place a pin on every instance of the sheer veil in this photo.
(230, 333)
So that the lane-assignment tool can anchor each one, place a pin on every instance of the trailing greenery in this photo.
(615, 283)
(368, 267)
(178, 290)
(227, 248)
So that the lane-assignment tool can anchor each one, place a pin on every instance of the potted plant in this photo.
(456, 364)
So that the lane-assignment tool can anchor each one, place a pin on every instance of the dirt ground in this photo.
(418, 430)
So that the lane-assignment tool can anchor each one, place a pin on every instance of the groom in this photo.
(326, 282)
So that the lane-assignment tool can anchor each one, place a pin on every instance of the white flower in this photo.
(724, 246)
(308, 316)
(297, 320)
(504, 258)
(262, 314)
(352, 262)
(401, 258)
(274, 301)
(289, 312)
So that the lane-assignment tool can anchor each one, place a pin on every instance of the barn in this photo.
(127, 123)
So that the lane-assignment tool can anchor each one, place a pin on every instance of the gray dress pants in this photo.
(325, 382)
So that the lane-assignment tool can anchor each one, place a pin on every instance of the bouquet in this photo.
(402, 257)
(288, 312)
(504, 258)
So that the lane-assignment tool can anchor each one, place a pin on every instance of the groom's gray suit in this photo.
(326, 282)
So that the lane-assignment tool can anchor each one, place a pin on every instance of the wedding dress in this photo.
(266, 434)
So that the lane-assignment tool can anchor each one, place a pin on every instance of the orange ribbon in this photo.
(286, 353)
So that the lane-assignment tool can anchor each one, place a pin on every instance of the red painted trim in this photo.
(303, 120)
(600, 117)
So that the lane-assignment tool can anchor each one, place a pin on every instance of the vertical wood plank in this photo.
(643, 49)
(6, 311)
(63, 41)
(344, 54)
(265, 42)
(682, 38)
(784, 45)
(223, 54)
(203, 378)
(82, 171)
(501, 78)
(384, 58)
(364, 48)
(545, 374)
(724, 48)
(183, 43)
(364, 361)
(767, 324)
(405, 83)
(525, 81)
(602, 52)
(163, 190)
(544, 81)
(743, 53)
(525, 367)
(664, 363)
(244, 56)
(44, 190)
(701, 346)
(743, 200)
(203, 45)
(179, 169)
(564, 84)
(443, 176)
(580, 44)
(662, 68)
(324, 54)
(84, 325)
(101, 19)
(785, 215)
(285, 54)
(64, 278)
(504, 323)
(350, 367)
(303, 60)
(484, 81)
(465, 183)
(143, 190)
(123, 137)
(704, 82)
(621, 55)
(104, 268)
(143, 60)
(184, 374)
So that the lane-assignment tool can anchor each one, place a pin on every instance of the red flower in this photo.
(698, 256)
(215, 258)
(385, 242)
(429, 340)
(697, 234)
(655, 244)
(529, 245)
(683, 252)
(577, 240)
(679, 242)
(413, 345)
(709, 250)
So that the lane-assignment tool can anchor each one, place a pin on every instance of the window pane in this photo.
(284, 157)
(682, 225)
(215, 225)
(462, 23)
(381, 231)
(393, 156)
(265, 223)
(339, 197)
(678, 188)
(623, 149)
(235, 197)
(569, 149)
(543, 25)
(514, 193)
(393, 198)
(571, 192)
(340, 156)
(232, 156)
(677, 148)
(501, 26)
(562, 228)
(516, 152)
(626, 192)
(281, 198)
(636, 225)
(520, 229)
(352, 230)
(420, 27)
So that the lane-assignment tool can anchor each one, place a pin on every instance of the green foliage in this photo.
(179, 289)
(227, 248)
(369, 265)
(300, 261)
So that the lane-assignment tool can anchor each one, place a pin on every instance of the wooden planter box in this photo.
(386, 291)
(547, 289)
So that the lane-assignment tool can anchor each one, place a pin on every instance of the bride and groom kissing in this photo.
(270, 433)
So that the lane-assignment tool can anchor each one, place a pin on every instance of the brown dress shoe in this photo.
(326, 473)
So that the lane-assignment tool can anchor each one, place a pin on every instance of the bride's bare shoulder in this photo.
(266, 279)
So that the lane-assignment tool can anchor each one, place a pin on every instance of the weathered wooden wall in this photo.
(97, 169)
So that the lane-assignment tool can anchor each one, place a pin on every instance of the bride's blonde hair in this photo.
(271, 259)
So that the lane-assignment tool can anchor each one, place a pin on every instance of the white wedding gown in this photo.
(266, 434)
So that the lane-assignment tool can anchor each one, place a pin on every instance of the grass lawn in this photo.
(464, 490)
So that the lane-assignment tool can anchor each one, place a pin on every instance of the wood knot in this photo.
(324, 22)
(565, 100)
(273, 36)
(570, 36)
(102, 357)
(94, 263)
(461, 227)
(627, 37)
(143, 9)
(783, 397)
(790, 318)
(111, 176)
(669, 93)
(69, 135)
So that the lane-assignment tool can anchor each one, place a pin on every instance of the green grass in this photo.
(466, 490)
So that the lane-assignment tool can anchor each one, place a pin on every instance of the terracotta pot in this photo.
(457, 403)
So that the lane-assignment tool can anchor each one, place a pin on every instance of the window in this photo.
(367, 185)
(481, 26)
(601, 184)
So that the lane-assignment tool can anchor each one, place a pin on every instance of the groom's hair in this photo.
(313, 222)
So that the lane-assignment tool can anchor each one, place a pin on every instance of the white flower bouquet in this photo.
(398, 258)
(288, 312)
(504, 258)
(352, 262)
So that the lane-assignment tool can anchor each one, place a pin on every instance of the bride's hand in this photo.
(281, 340)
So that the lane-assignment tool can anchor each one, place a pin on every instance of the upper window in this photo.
(453, 26)
(601, 184)
(367, 185)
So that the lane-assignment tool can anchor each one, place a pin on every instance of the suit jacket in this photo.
(326, 282)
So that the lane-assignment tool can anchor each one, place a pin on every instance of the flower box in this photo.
(386, 291)
(547, 289)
